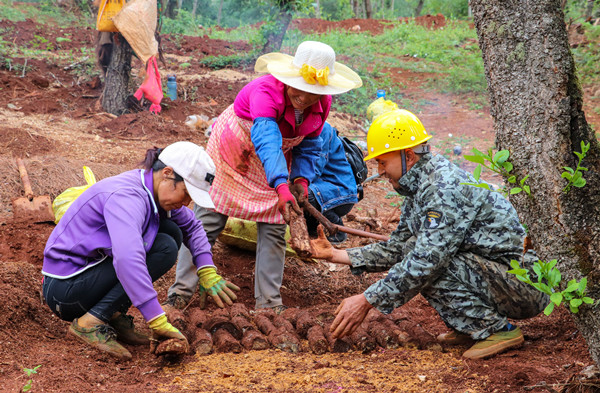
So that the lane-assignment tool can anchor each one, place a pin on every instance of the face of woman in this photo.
(301, 99)
(171, 195)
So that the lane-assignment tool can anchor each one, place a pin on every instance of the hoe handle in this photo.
(25, 179)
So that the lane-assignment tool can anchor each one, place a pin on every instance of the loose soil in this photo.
(51, 117)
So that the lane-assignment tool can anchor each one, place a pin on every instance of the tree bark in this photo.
(589, 8)
(220, 13)
(536, 103)
(114, 96)
(275, 37)
(195, 8)
(368, 9)
(317, 9)
(419, 8)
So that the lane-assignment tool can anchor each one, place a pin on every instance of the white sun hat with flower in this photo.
(313, 69)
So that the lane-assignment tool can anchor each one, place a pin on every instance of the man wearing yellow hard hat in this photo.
(453, 245)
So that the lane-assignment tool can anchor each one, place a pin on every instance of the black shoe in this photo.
(338, 238)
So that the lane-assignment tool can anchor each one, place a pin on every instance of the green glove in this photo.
(215, 286)
(163, 330)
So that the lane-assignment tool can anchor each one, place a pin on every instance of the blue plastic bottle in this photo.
(171, 87)
(380, 93)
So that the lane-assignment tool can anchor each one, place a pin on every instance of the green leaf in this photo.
(572, 286)
(579, 182)
(184, 65)
(514, 264)
(518, 272)
(587, 300)
(512, 179)
(62, 39)
(551, 264)
(538, 270)
(501, 156)
(576, 303)
(527, 189)
(554, 278)
(573, 309)
(477, 172)
(515, 190)
(549, 308)
(556, 298)
(476, 159)
(568, 169)
(507, 166)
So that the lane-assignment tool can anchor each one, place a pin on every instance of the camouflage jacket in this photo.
(446, 218)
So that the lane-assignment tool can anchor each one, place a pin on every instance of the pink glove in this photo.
(285, 200)
(300, 189)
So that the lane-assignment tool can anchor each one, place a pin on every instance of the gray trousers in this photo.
(270, 260)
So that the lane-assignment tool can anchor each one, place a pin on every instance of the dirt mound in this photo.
(373, 26)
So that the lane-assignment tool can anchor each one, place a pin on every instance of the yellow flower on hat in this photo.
(311, 75)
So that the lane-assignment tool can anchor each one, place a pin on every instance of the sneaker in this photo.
(123, 325)
(279, 309)
(454, 338)
(102, 337)
(495, 344)
(176, 301)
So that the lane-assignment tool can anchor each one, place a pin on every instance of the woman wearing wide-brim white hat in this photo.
(265, 147)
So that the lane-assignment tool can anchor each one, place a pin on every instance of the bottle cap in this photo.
(171, 78)
(380, 93)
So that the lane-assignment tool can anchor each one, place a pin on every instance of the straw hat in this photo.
(313, 69)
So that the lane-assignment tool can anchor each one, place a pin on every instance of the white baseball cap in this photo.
(195, 166)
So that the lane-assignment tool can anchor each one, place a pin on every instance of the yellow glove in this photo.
(214, 285)
(163, 330)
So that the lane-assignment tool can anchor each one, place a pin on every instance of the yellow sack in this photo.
(62, 202)
(107, 10)
(380, 106)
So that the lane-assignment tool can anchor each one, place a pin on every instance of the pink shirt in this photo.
(266, 97)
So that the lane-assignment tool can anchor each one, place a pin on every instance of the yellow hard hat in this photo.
(395, 130)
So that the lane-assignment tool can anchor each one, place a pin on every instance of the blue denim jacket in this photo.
(334, 184)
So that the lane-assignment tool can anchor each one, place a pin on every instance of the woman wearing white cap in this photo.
(122, 234)
(265, 147)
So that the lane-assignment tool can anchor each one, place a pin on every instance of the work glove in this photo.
(213, 285)
(300, 189)
(163, 330)
(285, 200)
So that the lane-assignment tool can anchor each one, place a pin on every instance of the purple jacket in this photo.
(118, 217)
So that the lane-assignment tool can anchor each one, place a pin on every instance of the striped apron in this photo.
(240, 187)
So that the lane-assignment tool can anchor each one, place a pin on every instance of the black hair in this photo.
(151, 161)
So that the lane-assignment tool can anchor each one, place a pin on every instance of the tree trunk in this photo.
(419, 8)
(114, 96)
(194, 8)
(220, 13)
(589, 9)
(275, 38)
(392, 9)
(536, 103)
(317, 9)
(368, 9)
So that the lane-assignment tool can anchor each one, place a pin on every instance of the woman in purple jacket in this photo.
(265, 147)
(122, 234)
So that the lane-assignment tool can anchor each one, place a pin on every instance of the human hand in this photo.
(213, 285)
(321, 248)
(349, 315)
(163, 330)
(286, 199)
(300, 189)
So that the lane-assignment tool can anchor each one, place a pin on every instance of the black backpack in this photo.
(355, 157)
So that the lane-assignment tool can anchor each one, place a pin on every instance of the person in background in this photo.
(119, 236)
(265, 147)
(453, 245)
(333, 191)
